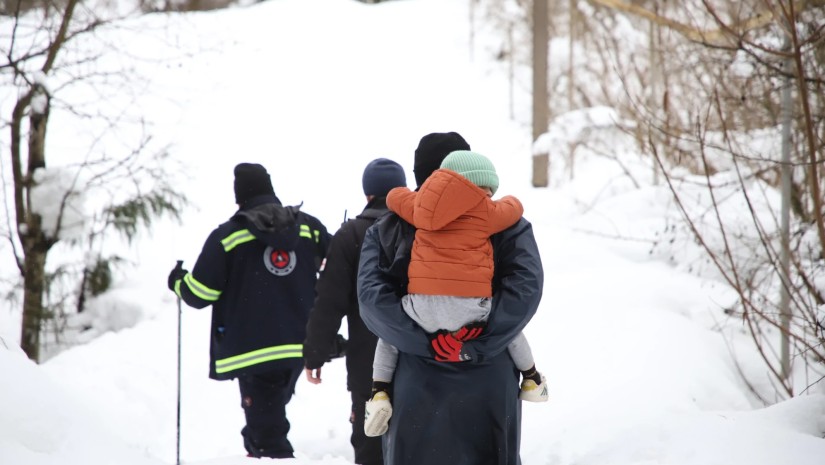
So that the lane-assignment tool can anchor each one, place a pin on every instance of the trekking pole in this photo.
(180, 312)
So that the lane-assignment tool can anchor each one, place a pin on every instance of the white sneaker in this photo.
(532, 392)
(378, 411)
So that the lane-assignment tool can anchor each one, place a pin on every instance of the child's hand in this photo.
(469, 331)
(445, 347)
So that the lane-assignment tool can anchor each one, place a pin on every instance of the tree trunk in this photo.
(541, 104)
(33, 286)
(38, 121)
(36, 243)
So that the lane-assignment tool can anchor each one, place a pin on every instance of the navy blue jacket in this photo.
(451, 413)
(258, 271)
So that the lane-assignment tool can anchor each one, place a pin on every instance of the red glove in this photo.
(469, 331)
(445, 347)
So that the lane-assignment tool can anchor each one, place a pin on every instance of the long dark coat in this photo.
(465, 413)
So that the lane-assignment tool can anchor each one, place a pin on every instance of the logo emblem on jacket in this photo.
(279, 262)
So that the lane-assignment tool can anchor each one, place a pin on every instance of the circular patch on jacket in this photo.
(280, 262)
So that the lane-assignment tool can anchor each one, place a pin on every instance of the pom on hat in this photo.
(431, 152)
(382, 175)
(251, 180)
(477, 168)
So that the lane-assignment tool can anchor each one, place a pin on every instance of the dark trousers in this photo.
(367, 450)
(264, 397)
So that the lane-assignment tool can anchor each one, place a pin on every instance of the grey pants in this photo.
(434, 312)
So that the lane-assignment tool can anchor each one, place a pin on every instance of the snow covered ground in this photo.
(313, 90)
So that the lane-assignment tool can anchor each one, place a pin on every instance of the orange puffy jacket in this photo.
(454, 219)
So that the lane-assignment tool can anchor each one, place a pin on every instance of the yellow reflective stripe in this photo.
(177, 287)
(259, 356)
(239, 237)
(200, 290)
(308, 233)
(235, 239)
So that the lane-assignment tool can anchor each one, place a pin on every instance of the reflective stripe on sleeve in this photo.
(258, 356)
(235, 239)
(199, 289)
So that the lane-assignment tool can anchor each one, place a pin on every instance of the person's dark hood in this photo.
(270, 222)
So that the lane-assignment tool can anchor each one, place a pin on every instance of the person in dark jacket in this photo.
(450, 413)
(258, 272)
(337, 298)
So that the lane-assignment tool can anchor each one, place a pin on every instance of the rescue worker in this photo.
(258, 272)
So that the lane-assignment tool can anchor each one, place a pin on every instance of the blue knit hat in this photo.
(382, 175)
(477, 168)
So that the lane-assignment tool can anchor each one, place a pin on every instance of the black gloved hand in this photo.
(176, 275)
(339, 348)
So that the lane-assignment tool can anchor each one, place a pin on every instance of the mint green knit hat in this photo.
(477, 168)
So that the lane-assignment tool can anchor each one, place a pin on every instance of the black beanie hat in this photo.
(251, 180)
(382, 175)
(432, 150)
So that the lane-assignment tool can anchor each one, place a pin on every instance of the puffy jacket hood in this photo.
(270, 222)
(444, 197)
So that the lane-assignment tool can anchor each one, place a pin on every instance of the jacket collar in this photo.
(375, 208)
(259, 200)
